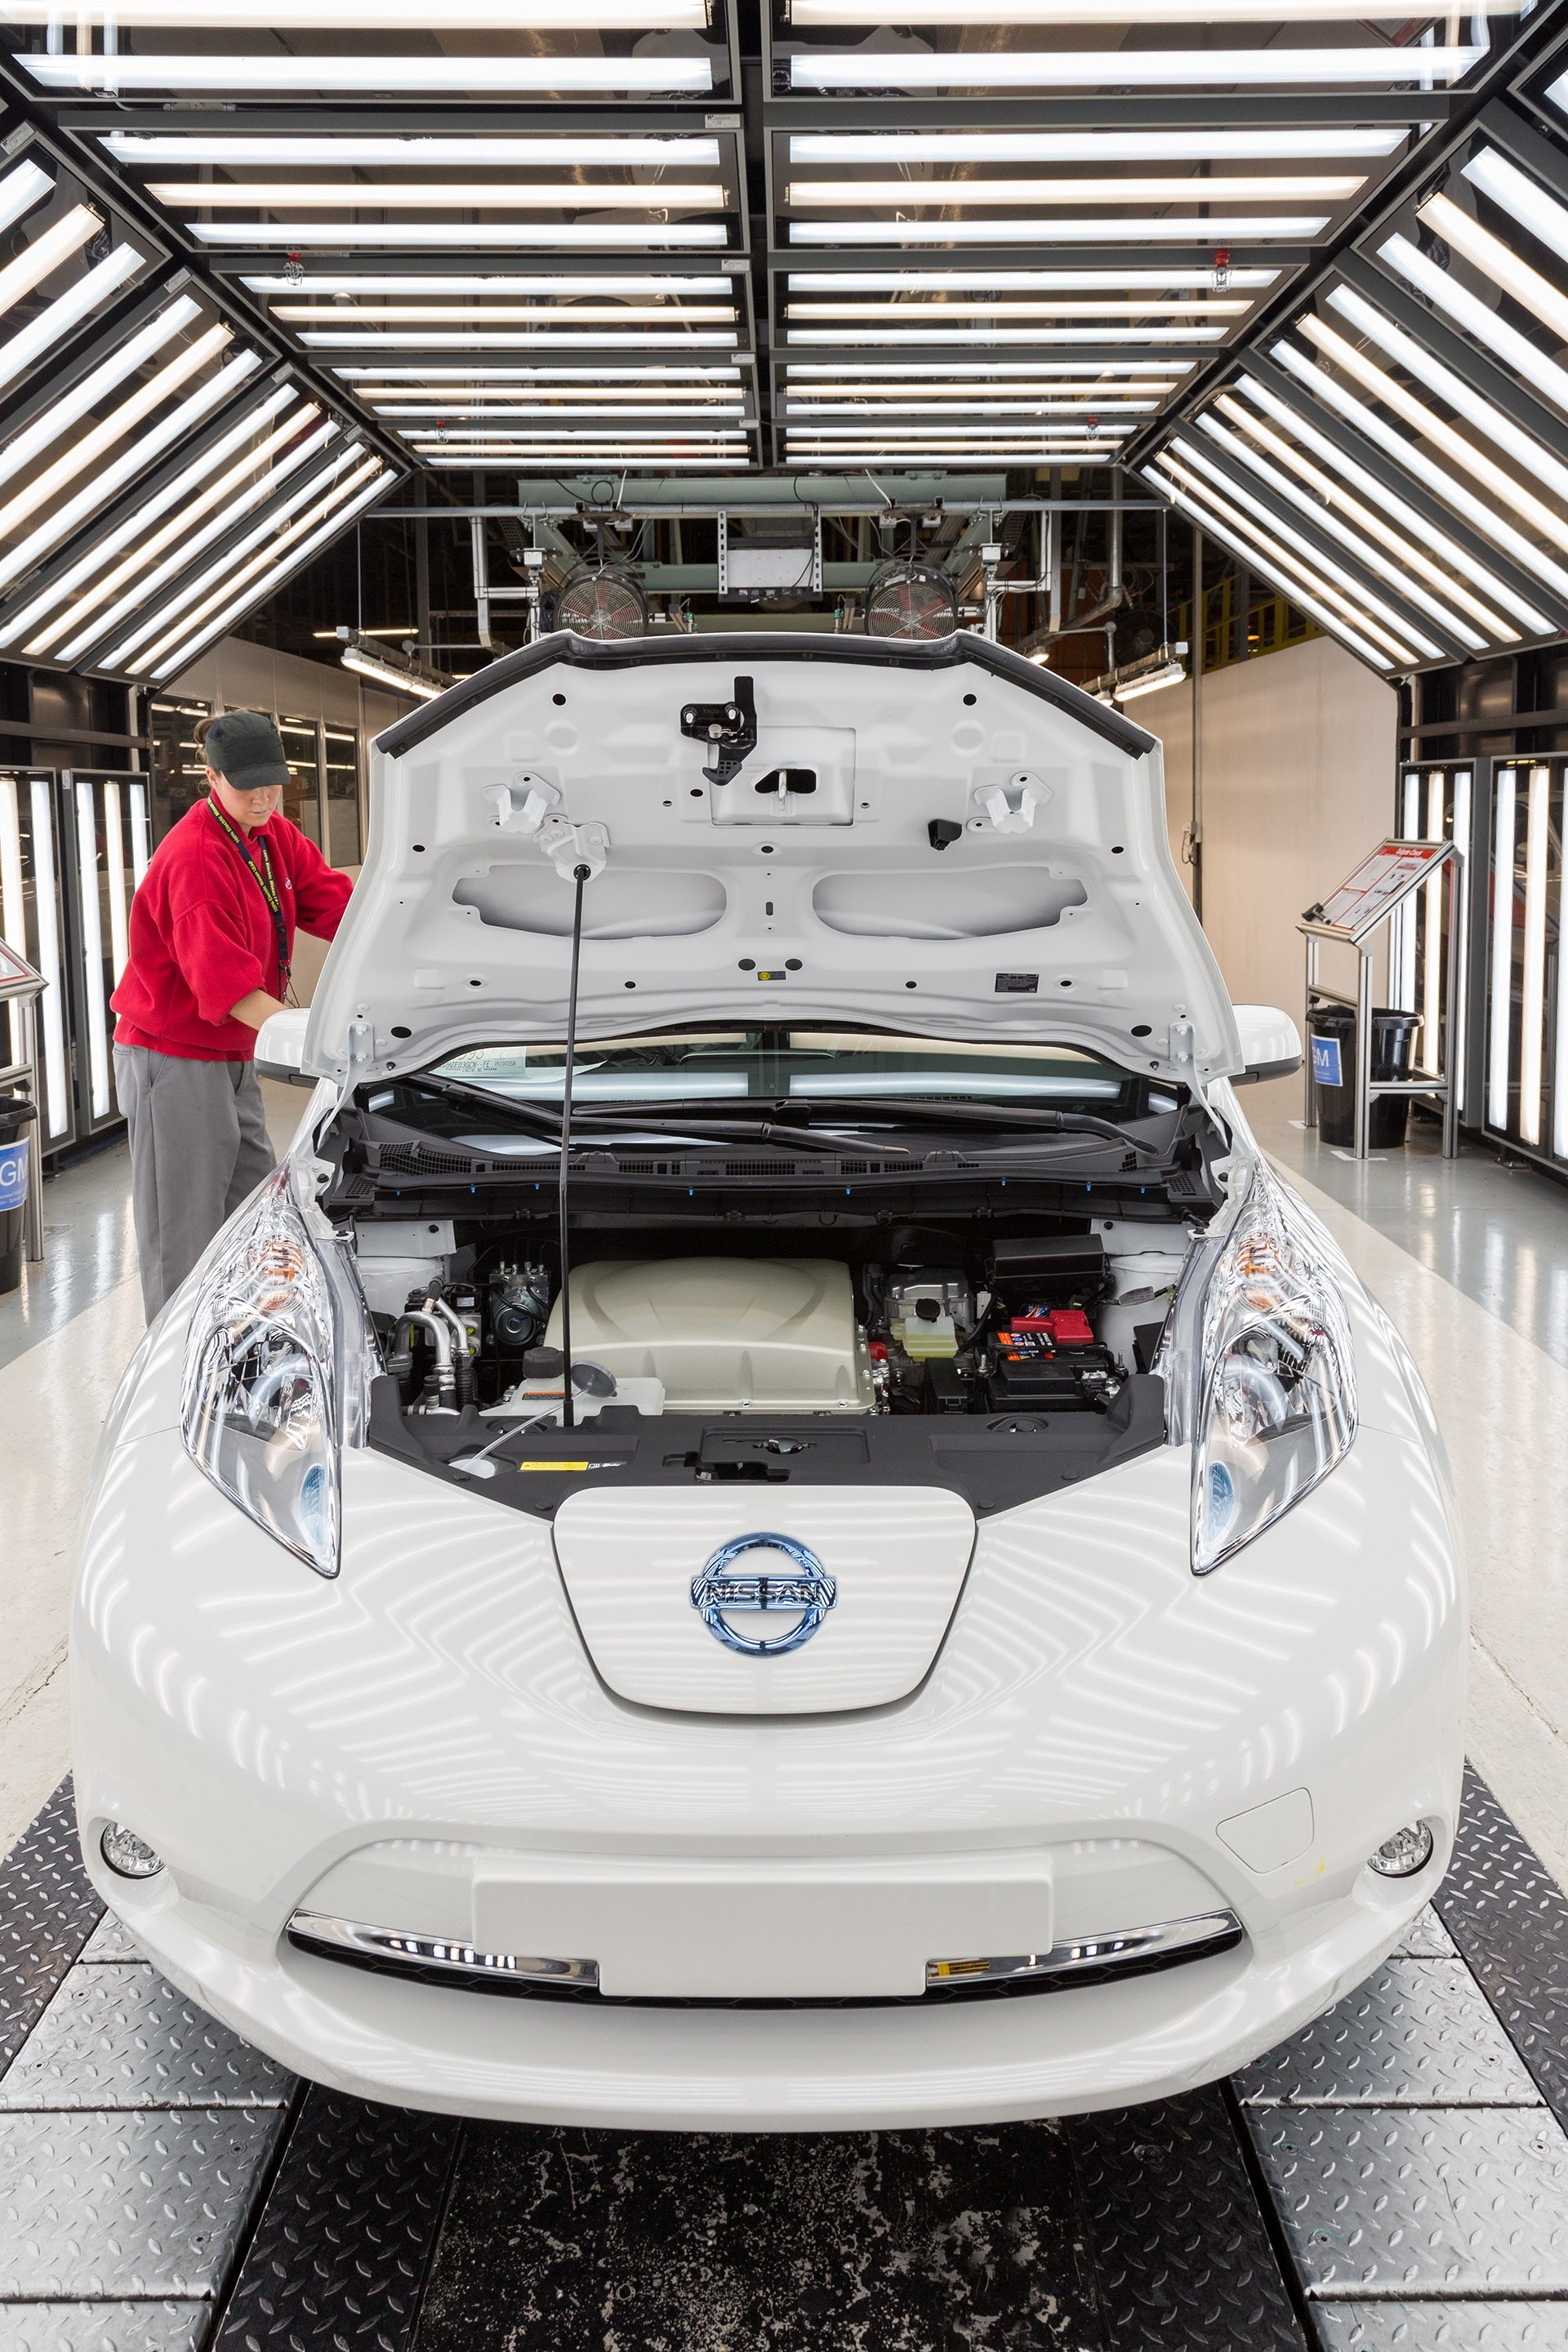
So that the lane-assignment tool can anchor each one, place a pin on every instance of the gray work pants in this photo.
(198, 1145)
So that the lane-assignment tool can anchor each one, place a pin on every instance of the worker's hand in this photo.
(255, 1008)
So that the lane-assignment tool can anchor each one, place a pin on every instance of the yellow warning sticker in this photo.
(555, 1466)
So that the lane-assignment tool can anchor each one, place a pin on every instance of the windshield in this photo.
(775, 1064)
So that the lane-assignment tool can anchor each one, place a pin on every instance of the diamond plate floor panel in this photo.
(117, 2035)
(1509, 1918)
(103, 2326)
(1426, 1939)
(48, 1910)
(1443, 2326)
(1180, 2251)
(142, 2202)
(110, 1941)
(1417, 2034)
(1423, 2201)
(340, 2254)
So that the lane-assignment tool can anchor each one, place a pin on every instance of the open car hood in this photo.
(807, 882)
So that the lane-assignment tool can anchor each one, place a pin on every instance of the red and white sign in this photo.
(1378, 881)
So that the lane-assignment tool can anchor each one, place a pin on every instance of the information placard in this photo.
(1394, 869)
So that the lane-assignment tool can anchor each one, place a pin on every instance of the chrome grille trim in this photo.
(441, 1957)
(1119, 1951)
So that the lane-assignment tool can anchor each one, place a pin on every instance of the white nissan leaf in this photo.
(775, 1522)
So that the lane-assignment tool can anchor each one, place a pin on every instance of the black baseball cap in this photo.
(246, 750)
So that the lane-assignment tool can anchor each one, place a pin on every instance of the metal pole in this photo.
(421, 575)
(32, 1216)
(481, 579)
(1309, 1085)
(1451, 970)
(1195, 830)
(1362, 1050)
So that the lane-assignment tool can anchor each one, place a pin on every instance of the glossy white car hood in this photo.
(1057, 910)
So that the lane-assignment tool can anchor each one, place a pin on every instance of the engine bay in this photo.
(933, 1260)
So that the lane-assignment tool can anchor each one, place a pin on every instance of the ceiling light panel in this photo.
(1204, 145)
(1236, 228)
(914, 66)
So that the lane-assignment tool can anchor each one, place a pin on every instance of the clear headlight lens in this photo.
(259, 1409)
(1276, 1406)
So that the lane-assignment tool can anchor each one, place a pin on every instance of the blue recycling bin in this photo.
(15, 1153)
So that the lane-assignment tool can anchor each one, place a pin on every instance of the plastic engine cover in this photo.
(765, 1335)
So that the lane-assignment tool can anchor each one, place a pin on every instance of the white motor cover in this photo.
(897, 1557)
(770, 1334)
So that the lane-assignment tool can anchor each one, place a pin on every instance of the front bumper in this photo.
(266, 1731)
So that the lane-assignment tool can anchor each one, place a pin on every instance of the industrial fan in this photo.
(607, 603)
(911, 600)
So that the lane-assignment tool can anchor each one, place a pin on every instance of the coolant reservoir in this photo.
(920, 1338)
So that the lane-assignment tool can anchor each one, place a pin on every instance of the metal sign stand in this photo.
(21, 987)
(1359, 931)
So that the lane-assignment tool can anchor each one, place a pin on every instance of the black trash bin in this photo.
(1332, 1029)
(15, 1155)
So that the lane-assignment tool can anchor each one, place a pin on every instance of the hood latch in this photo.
(727, 729)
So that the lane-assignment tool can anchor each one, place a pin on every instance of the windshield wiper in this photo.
(940, 1110)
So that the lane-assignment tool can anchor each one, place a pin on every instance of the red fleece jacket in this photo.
(202, 935)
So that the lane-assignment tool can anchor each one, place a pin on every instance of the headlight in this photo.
(258, 1409)
(1276, 1404)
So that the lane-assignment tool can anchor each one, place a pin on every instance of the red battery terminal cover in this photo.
(1064, 1326)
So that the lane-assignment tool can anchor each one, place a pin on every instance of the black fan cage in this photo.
(911, 600)
(607, 603)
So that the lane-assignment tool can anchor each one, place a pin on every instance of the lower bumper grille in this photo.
(1083, 1960)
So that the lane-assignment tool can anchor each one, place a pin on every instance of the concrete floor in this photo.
(1471, 1259)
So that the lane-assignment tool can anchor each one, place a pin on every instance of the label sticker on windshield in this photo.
(1017, 983)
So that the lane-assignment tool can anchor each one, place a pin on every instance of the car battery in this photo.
(1049, 1359)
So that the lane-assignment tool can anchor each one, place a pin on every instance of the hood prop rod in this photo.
(582, 873)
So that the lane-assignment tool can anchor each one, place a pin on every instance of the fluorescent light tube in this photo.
(377, 16)
(1367, 605)
(1205, 145)
(1480, 576)
(1463, 836)
(1364, 552)
(146, 576)
(437, 196)
(351, 454)
(1019, 281)
(563, 412)
(115, 844)
(1531, 205)
(1433, 428)
(1152, 375)
(46, 902)
(1532, 976)
(854, 70)
(1082, 410)
(1181, 188)
(1048, 338)
(1431, 372)
(715, 339)
(228, 579)
(24, 447)
(47, 250)
(666, 463)
(260, 588)
(1497, 261)
(498, 384)
(1331, 493)
(1431, 979)
(1173, 674)
(1201, 512)
(1417, 464)
(93, 993)
(1279, 559)
(465, 314)
(647, 282)
(20, 190)
(83, 453)
(130, 462)
(58, 317)
(1491, 331)
(815, 13)
(938, 312)
(346, 147)
(426, 77)
(510, 234)
(1139, 229)
(129, 533)
(1505, 901)
(385, 673)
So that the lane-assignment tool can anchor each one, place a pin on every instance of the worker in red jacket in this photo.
(211, 940)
